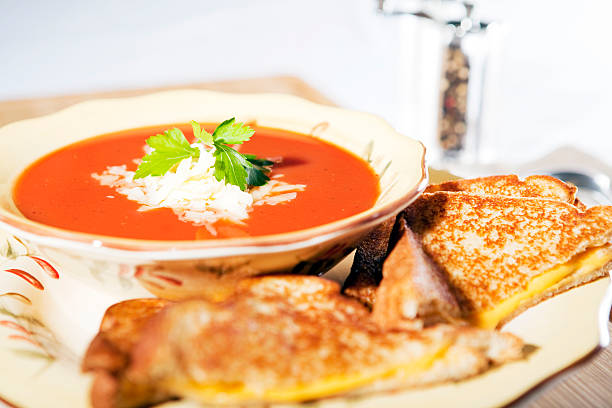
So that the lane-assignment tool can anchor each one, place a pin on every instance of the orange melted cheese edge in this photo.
(584, 263)
(232, 393)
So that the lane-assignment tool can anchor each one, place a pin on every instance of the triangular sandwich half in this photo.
(502, 254)
(413, 292)
(366, 271)
(282, 339)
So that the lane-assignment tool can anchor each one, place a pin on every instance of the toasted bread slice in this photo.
(492, 248)
(540, 186)
(119, 331)
(510, 185)
(108, 354)
(366, 271)
(589, 266)
(291, 338)
(472, 352)
(413, 292)
(280, 340)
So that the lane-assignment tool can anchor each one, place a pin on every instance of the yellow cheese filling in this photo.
(235, 392)
(590, 260)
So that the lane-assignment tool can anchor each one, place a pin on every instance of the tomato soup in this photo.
(59, 189)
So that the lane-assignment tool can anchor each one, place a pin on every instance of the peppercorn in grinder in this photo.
(467, 80)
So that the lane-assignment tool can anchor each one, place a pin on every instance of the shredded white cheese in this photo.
(193, 192)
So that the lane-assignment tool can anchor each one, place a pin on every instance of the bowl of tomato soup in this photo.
(70, 194)
(58, 189)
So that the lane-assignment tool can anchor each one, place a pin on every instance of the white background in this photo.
(554, 83)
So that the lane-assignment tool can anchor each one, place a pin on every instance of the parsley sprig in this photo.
(235, 168)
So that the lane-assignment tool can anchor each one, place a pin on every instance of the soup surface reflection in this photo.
(59, 189)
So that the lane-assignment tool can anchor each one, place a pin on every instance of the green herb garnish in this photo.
(235, 168)
(257, 173)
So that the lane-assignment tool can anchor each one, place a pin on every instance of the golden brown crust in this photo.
(511, 186)
(364, 291)
(119, 329)
(366, 271)
(580, 205)
(265, 339)
(278, 332)
(489, 247)
(572, 281)
(108, 353)
(471, 352)
(104, 390)
(412, 292)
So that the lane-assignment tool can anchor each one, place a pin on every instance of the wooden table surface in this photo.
(587, 385)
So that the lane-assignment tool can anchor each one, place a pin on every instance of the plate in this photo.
(44, 366)
(50, 310)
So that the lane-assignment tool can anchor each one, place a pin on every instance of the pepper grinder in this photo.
(462, 89)
(464, 79)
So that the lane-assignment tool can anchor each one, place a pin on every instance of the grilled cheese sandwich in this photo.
(539, 186)
(282, 339)
(232, 393)
(593, 259)
(502, 244)
(413, 292)
(498, 253)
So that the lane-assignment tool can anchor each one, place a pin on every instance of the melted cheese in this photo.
(583, 263)
(227, 393)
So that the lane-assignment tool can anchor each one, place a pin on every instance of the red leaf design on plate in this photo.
(15, 326)
(24, 338)
(21, 242)
(151, 276)
(153, 283)
(18, 296)
(27, 277)
(125, 270)
(139, 271)
(167, 279)
(46, 266)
